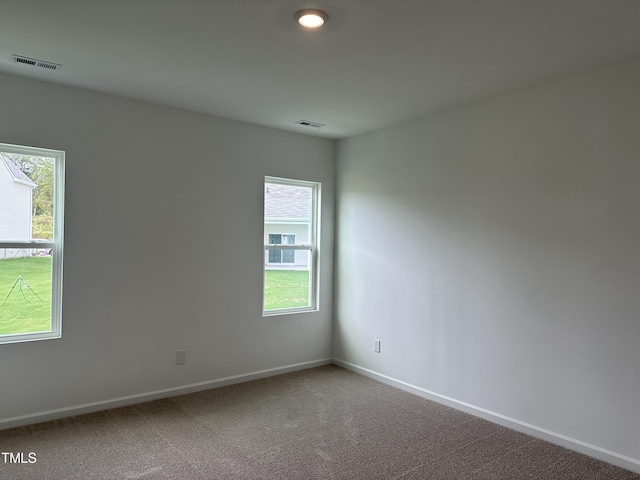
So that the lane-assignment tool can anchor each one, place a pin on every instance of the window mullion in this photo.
(284, 246)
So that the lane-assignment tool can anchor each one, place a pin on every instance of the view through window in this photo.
(31, 182)
(291, 245)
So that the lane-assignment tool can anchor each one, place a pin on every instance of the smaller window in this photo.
(291, 211)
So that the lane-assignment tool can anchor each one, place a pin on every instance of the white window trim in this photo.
(56, 245)
(313, 247)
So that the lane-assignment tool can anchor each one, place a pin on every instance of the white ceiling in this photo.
(375, 63)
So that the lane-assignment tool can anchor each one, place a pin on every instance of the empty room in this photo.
(295, 239)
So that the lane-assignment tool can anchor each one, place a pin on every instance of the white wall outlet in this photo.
(376, 346)
(181, 357)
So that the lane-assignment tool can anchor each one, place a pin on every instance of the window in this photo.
(291, 219)
(282, 256)
(31, 230)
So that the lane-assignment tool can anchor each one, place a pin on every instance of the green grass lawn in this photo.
(286, 289)
(23, 311)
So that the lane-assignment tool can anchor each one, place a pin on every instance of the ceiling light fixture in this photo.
(311, 18)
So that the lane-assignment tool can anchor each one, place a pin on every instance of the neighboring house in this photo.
(15, 206)
(287, 219)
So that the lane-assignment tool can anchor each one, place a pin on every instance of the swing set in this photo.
(20, 283)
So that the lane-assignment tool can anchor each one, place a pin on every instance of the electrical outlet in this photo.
(181, 357)
(376, 346)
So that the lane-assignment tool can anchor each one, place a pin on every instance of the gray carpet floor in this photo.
(321, 423)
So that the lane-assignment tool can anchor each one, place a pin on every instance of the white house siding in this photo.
(301, 231)
(15, 212)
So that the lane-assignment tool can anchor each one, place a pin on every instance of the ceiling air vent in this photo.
(307, 123)
(36, 63)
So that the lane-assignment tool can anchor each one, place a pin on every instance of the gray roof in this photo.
(17, 174)
(287, 201)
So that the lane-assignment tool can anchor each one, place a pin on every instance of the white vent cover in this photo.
(36, 63)
(307, 123)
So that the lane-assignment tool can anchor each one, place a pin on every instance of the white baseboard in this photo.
(155, 395)
(537, 432)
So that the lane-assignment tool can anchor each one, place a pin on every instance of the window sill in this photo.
(289, 311)
(28, 337)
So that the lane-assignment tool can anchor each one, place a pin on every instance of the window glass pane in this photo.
(25, 290)
(26, 197)
(287, 286)
(288, 256)
(275, 256)
(287, 202)
(275, 238)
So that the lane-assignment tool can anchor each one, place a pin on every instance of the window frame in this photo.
(56, 245)
(312, 246)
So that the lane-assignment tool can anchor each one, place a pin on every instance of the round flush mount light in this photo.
(310, 18)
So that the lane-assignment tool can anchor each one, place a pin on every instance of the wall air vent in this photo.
(307, 123)
(35, 63)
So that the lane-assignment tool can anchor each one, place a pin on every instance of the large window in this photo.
(291, 219)
(31, 230)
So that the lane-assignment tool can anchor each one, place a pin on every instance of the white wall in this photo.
(143, 180)
(494, 251)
